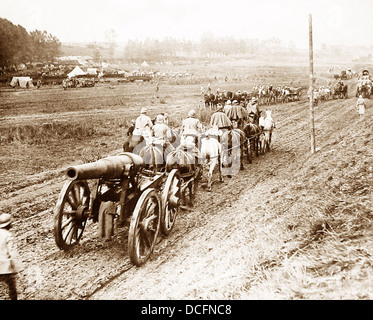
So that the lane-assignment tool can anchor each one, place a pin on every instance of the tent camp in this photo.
(23, 82)
(76, 72)
(144, 64)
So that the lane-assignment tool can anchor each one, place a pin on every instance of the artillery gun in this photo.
(123, 192)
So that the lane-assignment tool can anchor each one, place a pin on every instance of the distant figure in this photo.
(360, 106)
(9, 264)
(209, 88)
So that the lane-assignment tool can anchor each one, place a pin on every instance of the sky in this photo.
(335, 22)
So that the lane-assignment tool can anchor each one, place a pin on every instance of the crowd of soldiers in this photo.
(228, 116)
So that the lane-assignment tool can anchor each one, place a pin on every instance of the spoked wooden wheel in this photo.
(170, 201)
(71, 213)
(144, 227)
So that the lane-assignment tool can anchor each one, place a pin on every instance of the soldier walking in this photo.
(9, 264)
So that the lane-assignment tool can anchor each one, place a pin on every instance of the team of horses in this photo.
(265, 94)
(218, 150)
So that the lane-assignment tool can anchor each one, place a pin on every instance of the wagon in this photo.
(117, 191)
(293, 94)
(87, 82)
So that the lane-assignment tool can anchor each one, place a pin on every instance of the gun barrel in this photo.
(108, 168)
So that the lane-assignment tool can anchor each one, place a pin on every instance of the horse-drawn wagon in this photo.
(292, 94)
(340, 90)
(117, 191)
(88, 82)
(365, 85)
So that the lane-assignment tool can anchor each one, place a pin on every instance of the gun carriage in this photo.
(123, 193)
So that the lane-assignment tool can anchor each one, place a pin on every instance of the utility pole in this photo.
(311, 85)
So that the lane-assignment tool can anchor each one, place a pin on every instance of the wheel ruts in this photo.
(71, 213)
(144, 227)
(170, 201)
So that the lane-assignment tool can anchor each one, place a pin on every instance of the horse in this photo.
(340, 90)
(221, 98)
(365, 90)
(210, 100)
(252, 132)
(234, 143)
(237, 114)
(211, 152)
(133, 141)
(324, 93)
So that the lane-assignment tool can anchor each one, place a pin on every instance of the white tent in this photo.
(92, 71)
(76, 72)
(144, 64)
(23, 82)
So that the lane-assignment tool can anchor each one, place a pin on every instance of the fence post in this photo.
(311, 86)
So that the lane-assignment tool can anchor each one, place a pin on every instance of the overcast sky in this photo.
(334, 21)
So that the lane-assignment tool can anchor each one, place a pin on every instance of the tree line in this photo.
(208, 46)
(19, 46)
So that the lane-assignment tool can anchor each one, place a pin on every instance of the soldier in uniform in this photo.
(191, 127)
(143, 124)
(9, 263)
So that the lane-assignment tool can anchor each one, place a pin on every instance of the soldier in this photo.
(161, 132)
(228, 105)
(143, 124)
(131, 128)
(253, 108)
(191, 126)
(9, 264)
(220, 119)
(360, 106)
(166, 117)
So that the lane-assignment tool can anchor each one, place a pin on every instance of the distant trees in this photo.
(208, 46)
(44, 46)
(18, 46)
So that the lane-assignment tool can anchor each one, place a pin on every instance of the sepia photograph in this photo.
(205, 152)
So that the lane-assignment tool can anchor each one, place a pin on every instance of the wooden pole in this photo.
(311, 86)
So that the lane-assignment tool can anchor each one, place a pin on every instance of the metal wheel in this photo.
(71, 213)
(170, 201)
(144, 227)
